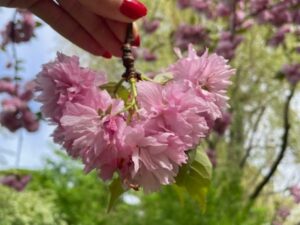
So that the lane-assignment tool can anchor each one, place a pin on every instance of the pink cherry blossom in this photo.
(21, 30)
(11, 120)
(94, 135)
(279, 36)
(223, 9)
(283, 212)
(13, 104)
(227, 44)
(65, 81)
(295, 192)
(27, 92)
(156, 158)
(222, 123)
(16, 114)
(17, 182)
(150, 26)
(292, 72)
(211, 73)
(212, 155)
(30, 121)
(7, 86)
(145, 147)
(178, 107)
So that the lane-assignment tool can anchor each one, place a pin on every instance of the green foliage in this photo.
(195, 177)
(163, 78)
(28, 208)
(83, 199)
(116, 190)
(116, 89)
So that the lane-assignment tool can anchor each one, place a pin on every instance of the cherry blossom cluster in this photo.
(222, 123)
(15, 112)
(149, 26)
(212, 155)
(227, 44)
(228, 40)
(281, 215)
(20, 30)
(282, 16)
(283, 212)
(295, 192)
(144, 54)
(186, 34)
(146, 138)
(202, 6)
(17, 182)
(292, 72)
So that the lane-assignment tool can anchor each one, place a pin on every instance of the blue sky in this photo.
(35, 146)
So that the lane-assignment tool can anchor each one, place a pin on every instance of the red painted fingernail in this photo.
(107, 55)
(133, 9)
(137, 41)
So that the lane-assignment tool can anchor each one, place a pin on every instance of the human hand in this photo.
(98, 26)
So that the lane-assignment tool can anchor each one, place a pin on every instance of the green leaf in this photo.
(120, 92)
(17, 78)
(38, 24)
(116, 190)
(3, 48)
(279, 75)
(163, 78)
(195, 177)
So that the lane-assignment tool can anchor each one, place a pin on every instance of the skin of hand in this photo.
(97, 26)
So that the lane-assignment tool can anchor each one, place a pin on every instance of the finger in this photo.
(64, 24)
(121, 10)
(94, 25)
(17, 3)
(120, 30)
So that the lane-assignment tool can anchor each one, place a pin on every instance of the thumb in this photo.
(121, 10)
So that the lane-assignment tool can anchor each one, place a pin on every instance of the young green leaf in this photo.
(116, 190)
(195, 177)
(163, 78)
(114, 91)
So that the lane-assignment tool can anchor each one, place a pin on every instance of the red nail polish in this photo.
(133, 9)
(107, 55)
(137, 41)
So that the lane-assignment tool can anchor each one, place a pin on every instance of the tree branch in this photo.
(233, 17)
(248, 150)
(285, 136)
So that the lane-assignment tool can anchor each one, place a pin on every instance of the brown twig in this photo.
(233, 17)
(284, 144)
(13, 46)
(128, 58)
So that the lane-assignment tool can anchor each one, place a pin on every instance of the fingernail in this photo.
(133, 9)
(137, 41)
(107, 55)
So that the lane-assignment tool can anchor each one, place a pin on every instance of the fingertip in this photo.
(107, 55)
(137, 41)
(133, 9)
